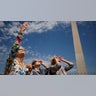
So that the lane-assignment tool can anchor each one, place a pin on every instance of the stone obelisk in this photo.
(78, 50)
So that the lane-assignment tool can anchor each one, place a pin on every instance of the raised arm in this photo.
(70, 64)
(15, 48)
(43, 64)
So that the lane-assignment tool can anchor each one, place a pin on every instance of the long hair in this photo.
(53, 61)
(33, 64)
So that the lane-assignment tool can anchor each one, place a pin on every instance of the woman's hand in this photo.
(60, 58)
(23, 27)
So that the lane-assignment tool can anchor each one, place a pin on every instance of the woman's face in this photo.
(37, 63)
(21, 52)
(55, 60)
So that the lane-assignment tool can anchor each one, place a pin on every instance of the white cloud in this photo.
(4, 37)
(3, 48)
(15, 23)
(29, 60)
(1, 24)
(45, 26)
(11, 29)
(37, 26)
(40, 26)
(36, 55)
(64, 24)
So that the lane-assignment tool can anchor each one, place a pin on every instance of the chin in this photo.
(22, 55)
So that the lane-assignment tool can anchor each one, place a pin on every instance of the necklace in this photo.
(20, 64)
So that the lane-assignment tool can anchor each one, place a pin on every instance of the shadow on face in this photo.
(36, 63)
(54, 60)
(21, 52)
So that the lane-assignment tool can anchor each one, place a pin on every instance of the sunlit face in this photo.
(57, 59)
(21, 52)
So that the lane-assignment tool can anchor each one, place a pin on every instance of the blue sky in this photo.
(44, 39)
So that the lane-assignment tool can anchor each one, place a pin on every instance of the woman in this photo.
(36, 70)
(55, 67)
(18, 67)
(14, 64)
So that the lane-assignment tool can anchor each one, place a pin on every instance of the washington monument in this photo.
(78, 50)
